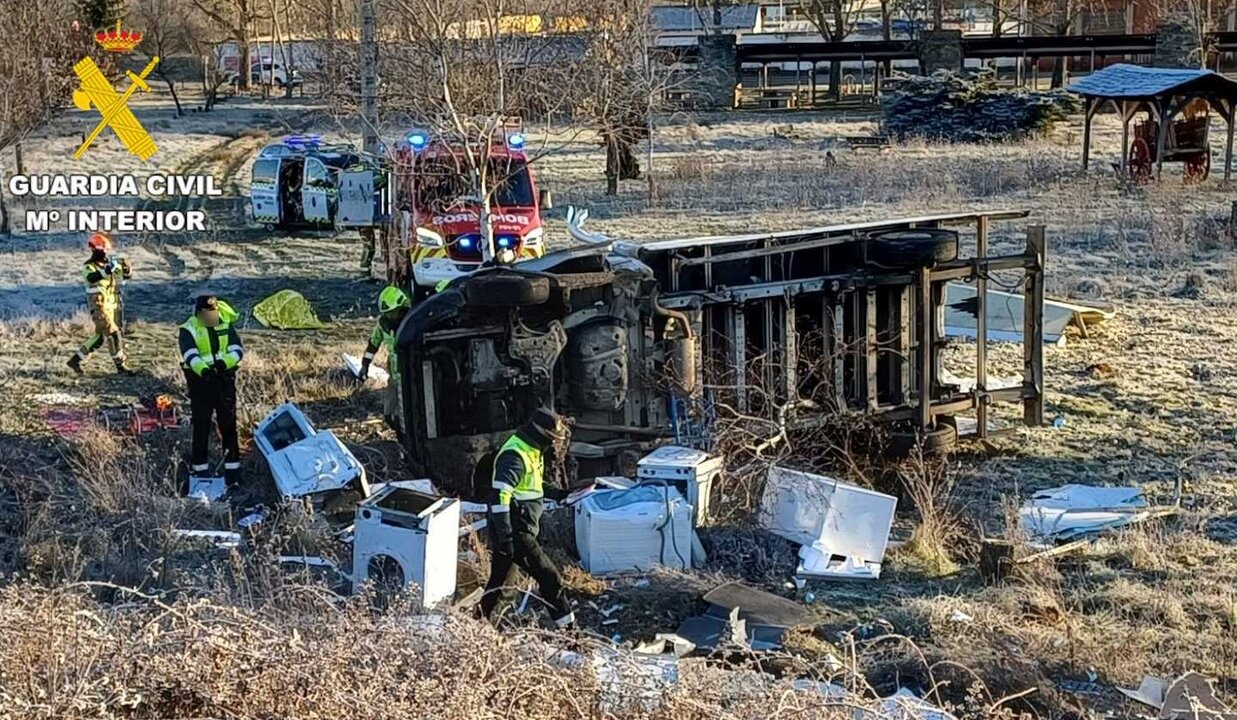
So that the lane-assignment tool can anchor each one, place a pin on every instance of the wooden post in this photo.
(981, 328)
(927, 317)
(996, 559)
(871, 349)
(1033, 330)
(1125, 138)
(1090, 107)
(1228, 142)
(1162, 110)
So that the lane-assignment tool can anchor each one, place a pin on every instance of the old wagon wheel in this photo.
(1140, 160)
(1198, 167)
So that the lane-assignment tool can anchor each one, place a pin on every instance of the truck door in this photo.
(357, 204)
(264, 203)
(316, 191)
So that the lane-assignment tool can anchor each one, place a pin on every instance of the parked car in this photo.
(275, 72)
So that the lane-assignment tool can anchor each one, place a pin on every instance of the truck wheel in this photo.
(912, 248)
(934, 441)
(506, 290)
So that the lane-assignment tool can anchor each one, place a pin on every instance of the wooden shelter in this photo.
(1166, 94)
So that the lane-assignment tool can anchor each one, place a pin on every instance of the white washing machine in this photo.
(403, 537)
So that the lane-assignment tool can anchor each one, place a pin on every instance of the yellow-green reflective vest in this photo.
(530, 485)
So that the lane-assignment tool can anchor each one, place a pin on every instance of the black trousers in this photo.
(214, 395)
(529, 557)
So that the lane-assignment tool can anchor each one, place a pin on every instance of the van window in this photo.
(266, 170)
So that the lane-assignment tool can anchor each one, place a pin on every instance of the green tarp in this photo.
(286, 310)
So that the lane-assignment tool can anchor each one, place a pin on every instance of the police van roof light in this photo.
(515, 141)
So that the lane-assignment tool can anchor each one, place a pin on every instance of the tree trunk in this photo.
(172, 89)
(612, 164)
(835, 79)
(243, 70)
(1059, 68)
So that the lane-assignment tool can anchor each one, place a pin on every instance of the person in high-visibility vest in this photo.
(103, 275)
(210, 350)
(393, 305)
(515, 507)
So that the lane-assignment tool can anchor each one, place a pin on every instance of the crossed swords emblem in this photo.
(98, 91)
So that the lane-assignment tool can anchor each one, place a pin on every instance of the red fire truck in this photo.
(439, 201)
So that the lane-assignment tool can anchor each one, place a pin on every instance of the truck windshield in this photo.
(512, 186)
(440, 185)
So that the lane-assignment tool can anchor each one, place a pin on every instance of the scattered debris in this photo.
(737, 611)
(1005, 315)
(667, 643)
(219, 538)
(1071, 511)
(157, 413)
(690, 470)
(207, 489)
(309, 561)
(404, 537)
(1079, 687)
(905, 705)
(636, 529)
(615, 483)
(286, 310)
(303, 461)
(376, 375)
(478, 526)
(843, 528)
(58, 398)
(1190, 696)
(1101, 371)
(254, 518)
(960, 617)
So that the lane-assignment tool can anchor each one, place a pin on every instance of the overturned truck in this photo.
(641, 343)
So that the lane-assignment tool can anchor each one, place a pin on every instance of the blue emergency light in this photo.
(506, 242)
(302, 141)
(418, 140)
(467, 242)
(515, 141)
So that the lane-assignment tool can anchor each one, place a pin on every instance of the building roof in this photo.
(1133, 82)
(681, 18)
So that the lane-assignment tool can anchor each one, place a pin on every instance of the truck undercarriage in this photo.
(641, 343)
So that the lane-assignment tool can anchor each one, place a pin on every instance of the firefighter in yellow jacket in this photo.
(103, 275)
(393, 305)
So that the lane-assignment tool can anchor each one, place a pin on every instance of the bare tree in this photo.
(835, 20)
(165, 32)
(36, 70)
(238, 20)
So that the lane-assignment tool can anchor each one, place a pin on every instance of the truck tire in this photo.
(506, 290)
(935, 441)
(912, 248)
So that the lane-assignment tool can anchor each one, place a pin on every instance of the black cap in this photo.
(205, 301)
(545, 426)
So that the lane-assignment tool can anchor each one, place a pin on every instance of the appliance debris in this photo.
(219, 538)
(376, 376)
(1072, 511)
(207, 489)
(746, 616)
(636, 529)
(305, 462)
(1189, 697)
(843, 529)
(690, 470)
(404, 537)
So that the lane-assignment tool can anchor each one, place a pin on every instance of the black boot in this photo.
(75, 363)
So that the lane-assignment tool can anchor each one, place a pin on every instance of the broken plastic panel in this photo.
(1071, 511)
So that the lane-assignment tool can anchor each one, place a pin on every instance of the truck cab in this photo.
(438, 212)
(301, 184)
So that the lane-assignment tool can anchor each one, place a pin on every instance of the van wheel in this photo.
(912, 248)
(506, 290)
(935, 441)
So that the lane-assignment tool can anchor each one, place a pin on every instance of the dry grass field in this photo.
(106, 614)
